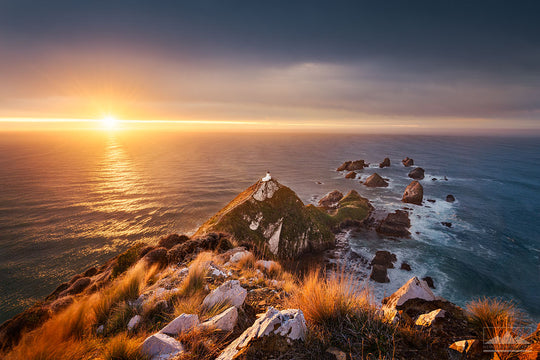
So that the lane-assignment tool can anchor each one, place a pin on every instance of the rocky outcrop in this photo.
(273, 218)
(464, 349)
(450, 198)
(331, 200)
(351, 175)
(282, 326)
(414, 193)
(352, 165)
(430, 319)
(375, 180)
(226, 321)
(160, 347)
(413, 289)
(231, 292)
(385, 163)
(407, 162)
(395, 224)
(417, 173)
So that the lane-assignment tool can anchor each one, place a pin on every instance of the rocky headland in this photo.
(261, 280)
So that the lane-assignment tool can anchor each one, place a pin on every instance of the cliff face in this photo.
(271, 216)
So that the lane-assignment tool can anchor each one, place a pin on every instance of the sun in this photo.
(109, 122)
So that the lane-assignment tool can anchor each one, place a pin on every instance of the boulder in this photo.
(450, 198)
(385, 163)
(395, 224)
(429, 281)
(77, 287)
(331, 200)
(161, 346)
(267, 264)
(351, 175)
(414, 193)
(375, 180)
(352, 165)
(289, 325)
(413, 289)
(430, 319)
(384, 258)
(226, 321)
(464, 349)
(230, 292)
(405, 266)
(379, 273)
(417, 173)
(174, 239)
(156, 256)
(407, 162)
(134, 322)
(180, 324)
(236, 257)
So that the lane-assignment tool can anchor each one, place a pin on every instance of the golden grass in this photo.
(324, 300)
(196, 277)
(123, 347)
(273, 271)
(246, 262)
(69, 334)
(494, 318)
(202, 344)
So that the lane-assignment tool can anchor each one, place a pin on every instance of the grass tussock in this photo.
(70, 334)
(495, 318)
(203, 344)
(273, 271)
(246, 262)
(340, 313)
(196, 277)
(123, 347)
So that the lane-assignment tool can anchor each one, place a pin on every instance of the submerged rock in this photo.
(160, 346)
(417, 173)
(375, 180)
(446, 223)
(287, 325)
(414, 193)
(407, 162)
(395, 224)
(450, 198)
(385, 163)
(230, 292)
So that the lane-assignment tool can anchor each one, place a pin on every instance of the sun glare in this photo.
(109, 122)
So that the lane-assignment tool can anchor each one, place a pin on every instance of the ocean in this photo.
(69, 201)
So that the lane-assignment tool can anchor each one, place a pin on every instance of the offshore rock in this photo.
(407, 162)
(395, 224)
(417, 173)
(375, 180)
(414, 193)
(385, 163)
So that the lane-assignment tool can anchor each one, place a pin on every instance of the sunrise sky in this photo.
(396, 66)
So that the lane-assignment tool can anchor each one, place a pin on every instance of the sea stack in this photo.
(407, 162)
(417, 173)
(375, 180)
(352, 165)
(385, 163)
(414, 193)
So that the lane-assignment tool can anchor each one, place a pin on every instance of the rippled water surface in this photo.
(68, 202)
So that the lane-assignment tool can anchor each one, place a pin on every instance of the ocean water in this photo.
(69, 201)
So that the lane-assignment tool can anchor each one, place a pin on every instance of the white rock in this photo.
(265, 190)
(160, 346)
(181, 324)
(287, 323)
(214, 271)
(134, 322)
(413, 289)
(429, 318)
(236, 257)
(230, 292)
(225, 321)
